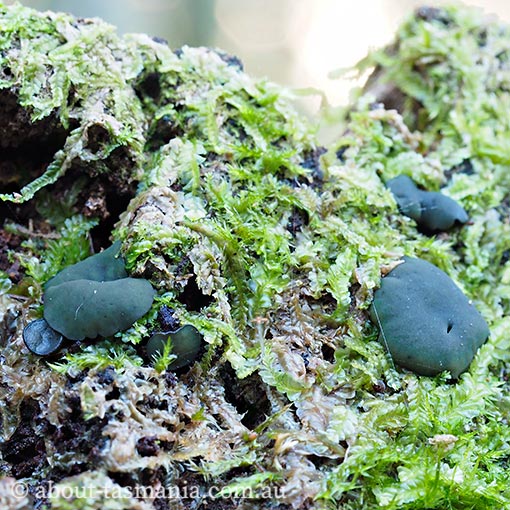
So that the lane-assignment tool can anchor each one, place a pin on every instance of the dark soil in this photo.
(26, 147)
(10, 266)
(25, 449)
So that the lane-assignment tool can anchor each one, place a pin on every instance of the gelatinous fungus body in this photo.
(40, 338)
(86, 309)
(186, 344)
(102, 267)
(95, 297)
(432, 211)
(425, 321)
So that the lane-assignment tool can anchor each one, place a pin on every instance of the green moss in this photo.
(43, 258)
(66, 69)
(286, 249)
(100, 356)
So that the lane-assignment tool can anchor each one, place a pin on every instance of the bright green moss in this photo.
(43, 260)
(66, 68)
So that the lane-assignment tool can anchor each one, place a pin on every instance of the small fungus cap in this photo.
(95, 297)
(86, 309)
(407, 196)
(40, 338)
(432, 211)
(440, 213)
(102, 267)
(425, 321)
(186, 344)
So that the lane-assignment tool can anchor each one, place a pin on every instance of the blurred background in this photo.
(296, 43)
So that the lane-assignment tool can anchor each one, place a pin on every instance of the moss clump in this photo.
(70, 77)
(272, 247)
(425, 321)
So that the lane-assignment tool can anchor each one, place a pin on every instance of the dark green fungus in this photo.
(425, 321)
(40, 338)
(432, 211)
(95, 297)
(86, 309)
(102, 267)
(186, 344)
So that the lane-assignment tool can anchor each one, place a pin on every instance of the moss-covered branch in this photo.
(272, 247)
